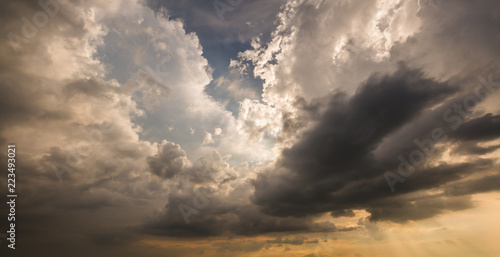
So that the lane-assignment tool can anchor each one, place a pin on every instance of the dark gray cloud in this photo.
(333, 167)
(483, 184)
(484, 128)
(343, 213)
(221, 217)
(403, 209)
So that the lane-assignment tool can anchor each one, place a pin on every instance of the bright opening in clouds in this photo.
(250, 128)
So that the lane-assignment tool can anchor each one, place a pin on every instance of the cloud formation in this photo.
(146, 127)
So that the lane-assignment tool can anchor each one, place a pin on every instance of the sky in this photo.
(295, 128)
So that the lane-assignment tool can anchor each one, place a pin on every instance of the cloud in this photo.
(332, 167)
(484, 128)
(343, 213)
(207, 138)
(372, 229)
(288, 241)
(72, 94)
(333, 150)
(92, 97)
(169, 161)
(249, 246)
(478, 51)
(479, 185)
(227, 213)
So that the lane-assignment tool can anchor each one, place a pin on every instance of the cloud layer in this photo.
(328, 117)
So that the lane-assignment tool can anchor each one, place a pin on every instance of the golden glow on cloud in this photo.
(449, 234)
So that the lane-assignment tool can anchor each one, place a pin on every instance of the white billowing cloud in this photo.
(207, 138)
(234, 86)
(85, 95)
(114, 114)
(319, 47)
(322, 46)
(81, 150)
(257, 119)
(169, 83)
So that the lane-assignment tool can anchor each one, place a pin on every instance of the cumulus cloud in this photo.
(333, 166)
(122, 139)
(76, 90)
(336, 148)
(207, 138)
(169, 161)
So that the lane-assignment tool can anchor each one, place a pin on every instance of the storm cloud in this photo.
(264, 128)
